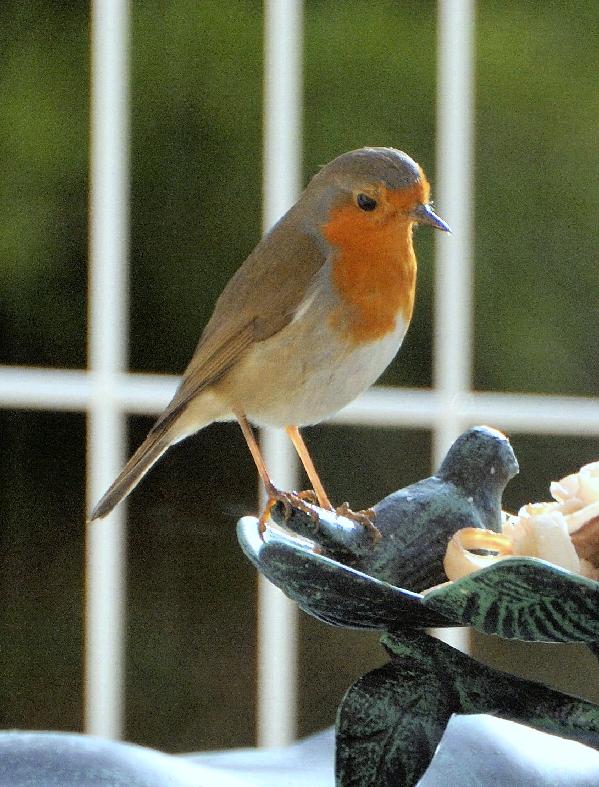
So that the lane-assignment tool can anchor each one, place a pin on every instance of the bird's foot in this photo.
(365, 518)
(290, 500)
(309, 496)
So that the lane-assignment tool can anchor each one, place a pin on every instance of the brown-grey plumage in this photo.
(256, 323)
(237, 322)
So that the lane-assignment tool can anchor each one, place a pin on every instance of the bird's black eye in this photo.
(365, 202)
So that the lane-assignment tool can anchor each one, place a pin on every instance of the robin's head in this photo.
(370, 188)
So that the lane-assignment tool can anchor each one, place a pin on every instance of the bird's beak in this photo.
(424, 214)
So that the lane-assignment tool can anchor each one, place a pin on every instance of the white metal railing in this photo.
(453, 190)
(452, 356)
(282, 154)
(107, 393)
(107, 357)
(34, 388)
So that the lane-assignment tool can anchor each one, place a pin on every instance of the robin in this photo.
(310, 320)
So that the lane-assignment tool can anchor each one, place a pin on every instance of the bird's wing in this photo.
(259, 301)
(271, 283)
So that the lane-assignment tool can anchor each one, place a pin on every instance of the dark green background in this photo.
(195, 212)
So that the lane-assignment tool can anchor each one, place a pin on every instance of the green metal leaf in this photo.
(523, 598)
(391, 720)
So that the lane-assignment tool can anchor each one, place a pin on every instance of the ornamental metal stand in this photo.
(391, 720)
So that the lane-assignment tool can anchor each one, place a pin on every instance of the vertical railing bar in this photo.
(277, 616)
(454, 190)
(107, 347)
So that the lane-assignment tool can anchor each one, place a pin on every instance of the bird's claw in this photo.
(309, 496)
(290, 500)
(365, 518)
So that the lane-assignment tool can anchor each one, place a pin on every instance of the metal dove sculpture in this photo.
(324, 574)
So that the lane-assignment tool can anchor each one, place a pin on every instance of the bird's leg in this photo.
(255, 451)
(364, 518)
(306, 460)
(272, 492)
(270, 488)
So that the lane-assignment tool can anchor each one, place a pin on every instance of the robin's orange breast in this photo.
(374, 266)
(307, 371)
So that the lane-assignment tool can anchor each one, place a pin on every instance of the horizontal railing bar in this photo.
(26, 387)
(23, 387)
(513, 412)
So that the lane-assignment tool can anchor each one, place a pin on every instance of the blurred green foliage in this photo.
(195, 214)
(43, 149)
(537, 196)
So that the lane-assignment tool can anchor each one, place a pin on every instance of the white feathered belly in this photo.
(304, 374)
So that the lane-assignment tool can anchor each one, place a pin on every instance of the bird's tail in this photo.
(142, 460)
